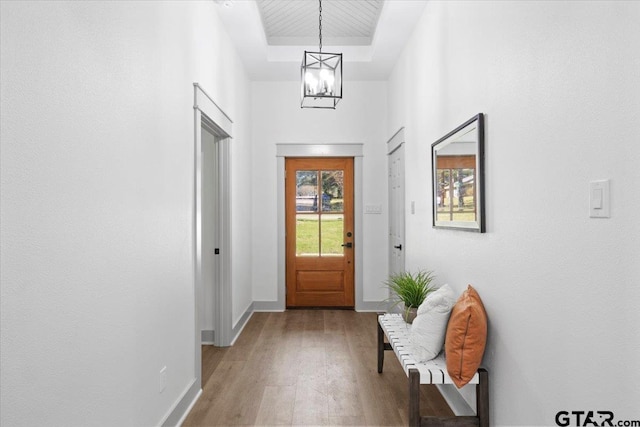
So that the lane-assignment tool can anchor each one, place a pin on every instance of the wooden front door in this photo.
(319, 223)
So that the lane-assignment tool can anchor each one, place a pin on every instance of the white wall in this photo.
(277, 118)
(241, 203)
(559, 84)
(97, 204)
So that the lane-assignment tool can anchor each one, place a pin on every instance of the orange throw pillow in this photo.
(466, 337)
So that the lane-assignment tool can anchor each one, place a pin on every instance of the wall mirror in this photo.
(457, 161)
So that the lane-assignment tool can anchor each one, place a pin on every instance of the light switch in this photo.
(596, 198)
(599, 199)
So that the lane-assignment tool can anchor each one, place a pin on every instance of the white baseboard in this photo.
(183, 405)
(278, 306)
(268, 306)
(455, 400)
(375, 306)
(186, 413)
(239, 326)
(207, 337)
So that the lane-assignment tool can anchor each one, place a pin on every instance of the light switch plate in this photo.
(373, 209)
(599, 205)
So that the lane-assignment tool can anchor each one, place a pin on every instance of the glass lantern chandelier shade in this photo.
(321, 80)
(320, 75)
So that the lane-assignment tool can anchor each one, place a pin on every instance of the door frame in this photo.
(207, 114)
(345, 263)
(354, 150)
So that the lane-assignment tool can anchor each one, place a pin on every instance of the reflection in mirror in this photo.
(457, 163)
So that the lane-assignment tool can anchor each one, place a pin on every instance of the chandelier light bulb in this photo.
(311, 83)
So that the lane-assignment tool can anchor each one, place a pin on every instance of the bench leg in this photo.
(482, 398)
(380, 348)
(414, 398)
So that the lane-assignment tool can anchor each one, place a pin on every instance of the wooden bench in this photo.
(432, 372)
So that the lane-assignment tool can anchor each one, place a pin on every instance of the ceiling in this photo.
(295, 22)
(272, 35)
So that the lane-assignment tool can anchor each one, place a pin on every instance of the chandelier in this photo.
(321, 76)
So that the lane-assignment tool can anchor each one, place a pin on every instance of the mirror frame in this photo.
(479, 224)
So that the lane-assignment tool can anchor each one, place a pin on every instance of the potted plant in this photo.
(410, 289)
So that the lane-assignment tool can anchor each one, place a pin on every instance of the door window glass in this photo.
(319, 213)
(307, 235)
(332, 226)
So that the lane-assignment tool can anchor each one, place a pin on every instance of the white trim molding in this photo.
(208, 115)
(182, 406)
(319, 150)
(268, 306)
(355, 150)
(207, 337)
(240, 324)
(207, 105)
(395, 141)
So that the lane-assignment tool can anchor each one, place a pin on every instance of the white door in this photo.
(396, 210)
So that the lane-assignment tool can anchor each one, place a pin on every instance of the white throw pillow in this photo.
(430, 325)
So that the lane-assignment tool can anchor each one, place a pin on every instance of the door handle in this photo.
(347, 245)
(398, 247)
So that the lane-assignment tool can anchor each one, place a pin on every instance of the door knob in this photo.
(347, 245)
(398, 247)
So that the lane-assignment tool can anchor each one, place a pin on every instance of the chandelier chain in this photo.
(320, 25)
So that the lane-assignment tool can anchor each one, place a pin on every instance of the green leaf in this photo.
(410, 288)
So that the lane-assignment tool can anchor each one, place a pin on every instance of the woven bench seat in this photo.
(431, 372)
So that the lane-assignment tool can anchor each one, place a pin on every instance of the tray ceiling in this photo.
(295, 22)
(270, 36)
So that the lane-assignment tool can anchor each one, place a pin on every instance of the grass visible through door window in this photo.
(307, 233)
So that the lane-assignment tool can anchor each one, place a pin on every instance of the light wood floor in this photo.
(306, 367)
